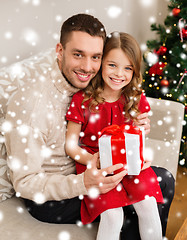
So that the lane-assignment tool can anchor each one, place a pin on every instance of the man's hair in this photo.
(84, 23)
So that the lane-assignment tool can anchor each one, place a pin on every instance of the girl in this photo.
(114, 97)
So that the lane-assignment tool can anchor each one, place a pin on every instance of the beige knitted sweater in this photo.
(39, 167)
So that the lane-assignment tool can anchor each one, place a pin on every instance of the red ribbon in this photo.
(115, 129)
(111, 130)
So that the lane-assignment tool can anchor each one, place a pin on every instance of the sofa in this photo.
(162, 147)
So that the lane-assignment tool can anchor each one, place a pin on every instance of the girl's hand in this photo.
(143, 121)
(147, 164)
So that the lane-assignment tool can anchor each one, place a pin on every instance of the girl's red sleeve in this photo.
(143, 104)
(75, 112)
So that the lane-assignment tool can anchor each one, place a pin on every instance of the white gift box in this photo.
(124, 144)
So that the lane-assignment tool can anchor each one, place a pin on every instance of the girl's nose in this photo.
(119, 72)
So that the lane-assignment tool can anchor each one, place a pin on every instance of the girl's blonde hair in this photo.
(132, 91)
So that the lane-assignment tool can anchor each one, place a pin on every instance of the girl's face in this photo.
(117, 70)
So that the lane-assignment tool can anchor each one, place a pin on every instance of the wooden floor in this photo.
(178, 210)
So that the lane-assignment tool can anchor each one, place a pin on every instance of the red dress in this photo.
(133, 188)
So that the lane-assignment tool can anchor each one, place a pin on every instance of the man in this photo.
(40, 171)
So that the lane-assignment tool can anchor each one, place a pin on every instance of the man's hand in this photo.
(143, 121)
(98, 178)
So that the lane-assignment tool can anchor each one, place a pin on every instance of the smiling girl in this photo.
(114, 97)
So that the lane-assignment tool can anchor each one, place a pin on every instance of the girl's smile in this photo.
(116, 80)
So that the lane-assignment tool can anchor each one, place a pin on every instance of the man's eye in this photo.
(96, 57)
(77, 55)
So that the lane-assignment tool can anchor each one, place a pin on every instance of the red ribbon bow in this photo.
(115, 129)
(111, 130)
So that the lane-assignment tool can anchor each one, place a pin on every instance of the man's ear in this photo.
(59, 51)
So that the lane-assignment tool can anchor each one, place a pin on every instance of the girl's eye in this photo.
(128, 68)
(112, 65)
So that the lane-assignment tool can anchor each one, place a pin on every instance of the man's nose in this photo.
(87, 65)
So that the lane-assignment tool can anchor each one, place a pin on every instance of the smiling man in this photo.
(79, 61)
(44, 176)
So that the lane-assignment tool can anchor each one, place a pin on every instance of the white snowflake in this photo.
(75, 181)
(18, 194)
(4, 59)
(64, 235)
(6, 126)
(149, 154)
(143, 47)
(14, 163)
(104, 173)
(93, 192)
(167, 144)
(93, 137)
(160, 122)
(46, 152)
(178, 214)
(130, 153)
(23, 130)
(136, 181)
(81, 197)
(159, 178)
(146, 197)
(114, 11)
(122, 151)
(30, 36)
(146, 3)
(1, 216)
(152, 58)
(27, 150)
(89, 165)
(164, 90)
(8, 35)
(36, 2)
(95, 172)
(58, 18)
(77, 157)
(20, 209)
(81, 134)
(127, 127)
(79, 224)
(152, 19)
(119, 187)
(25, 167)
(182, 162)
(89, 225)
(39, 198)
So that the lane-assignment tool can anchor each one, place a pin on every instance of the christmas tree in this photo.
(165, 75)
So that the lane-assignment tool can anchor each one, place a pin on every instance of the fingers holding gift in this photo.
(147, 164)
(143, 121)
(110, 181)
(102, 178)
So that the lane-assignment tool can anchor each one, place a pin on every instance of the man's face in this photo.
(81, 58)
